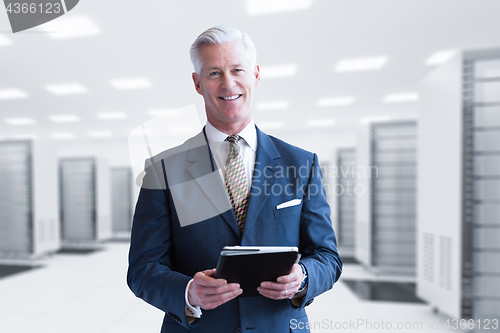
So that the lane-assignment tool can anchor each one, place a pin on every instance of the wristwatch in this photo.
(304, 280)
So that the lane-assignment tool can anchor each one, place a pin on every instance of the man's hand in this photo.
(208, 293)
(286, 286)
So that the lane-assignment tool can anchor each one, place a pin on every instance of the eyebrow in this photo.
(216, 67)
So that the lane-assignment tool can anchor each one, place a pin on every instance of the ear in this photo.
(256, 72)
(197, 83)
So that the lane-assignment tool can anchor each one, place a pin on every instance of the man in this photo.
(230, 185)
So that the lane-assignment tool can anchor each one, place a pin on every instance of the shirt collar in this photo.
(216, 137)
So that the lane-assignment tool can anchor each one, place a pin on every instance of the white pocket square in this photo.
(290, 203)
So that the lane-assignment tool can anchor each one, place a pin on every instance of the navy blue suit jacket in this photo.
(164, 255)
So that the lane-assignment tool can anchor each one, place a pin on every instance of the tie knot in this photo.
(233, 139)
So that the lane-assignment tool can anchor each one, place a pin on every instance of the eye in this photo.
(214, 73)
(239, 70)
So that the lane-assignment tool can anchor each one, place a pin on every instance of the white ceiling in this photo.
(151, 39)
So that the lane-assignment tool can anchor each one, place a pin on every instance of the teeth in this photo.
(230, 97)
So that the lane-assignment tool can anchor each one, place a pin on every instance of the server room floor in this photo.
(86, 292)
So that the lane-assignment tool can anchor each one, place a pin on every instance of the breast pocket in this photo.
(287, 211)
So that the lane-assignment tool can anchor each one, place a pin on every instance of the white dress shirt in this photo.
(247, 147)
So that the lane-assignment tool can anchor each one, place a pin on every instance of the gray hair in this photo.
(218, 35)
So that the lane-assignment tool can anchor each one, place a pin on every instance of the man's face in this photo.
(226, 82)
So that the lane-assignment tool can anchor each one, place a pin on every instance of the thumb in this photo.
(209, 272)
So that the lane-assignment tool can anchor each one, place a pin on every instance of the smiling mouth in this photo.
(230, 98)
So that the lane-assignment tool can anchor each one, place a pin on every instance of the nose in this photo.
(228, 82)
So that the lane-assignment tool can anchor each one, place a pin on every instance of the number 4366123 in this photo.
(485, 324)
(46, 8)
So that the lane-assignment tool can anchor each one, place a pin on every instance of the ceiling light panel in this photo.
(402, 97)
(70, 27)
(131, 83)
(275, 105)
(66, 89)
(12, 93)
(100, 134)
(162, 112)
(361, 64)
(335, 101)
(263, 7)
(64, 118)
(4, 41)
(112, 115)
(272, 125)
(320, 122)
(440, 57)
(278, 71)
(62, 136)
(26, 137)
(20, 121)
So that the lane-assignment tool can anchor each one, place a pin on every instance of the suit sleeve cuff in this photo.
(299, 296)
(191, 311)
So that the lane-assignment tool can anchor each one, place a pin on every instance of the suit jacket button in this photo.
(237, 330)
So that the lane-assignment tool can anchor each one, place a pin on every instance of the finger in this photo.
(272, 294)
(201, 278)
(213, 301)
(202, 290)
(280, 286)
(198, 294)
(288, 278)
(209, 272)
(222, 297)
(277, 294)
(295, 274)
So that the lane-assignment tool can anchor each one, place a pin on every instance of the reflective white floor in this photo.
(88, 293)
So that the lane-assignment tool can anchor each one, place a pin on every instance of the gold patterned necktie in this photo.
(236, 181)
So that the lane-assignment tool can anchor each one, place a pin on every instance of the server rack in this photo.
(121, 185)
(460, 260)
(85, 201)
(346, 200)
(28, 200)
(386, 227)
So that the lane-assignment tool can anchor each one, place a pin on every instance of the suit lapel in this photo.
(263, 178)
(215, 191)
